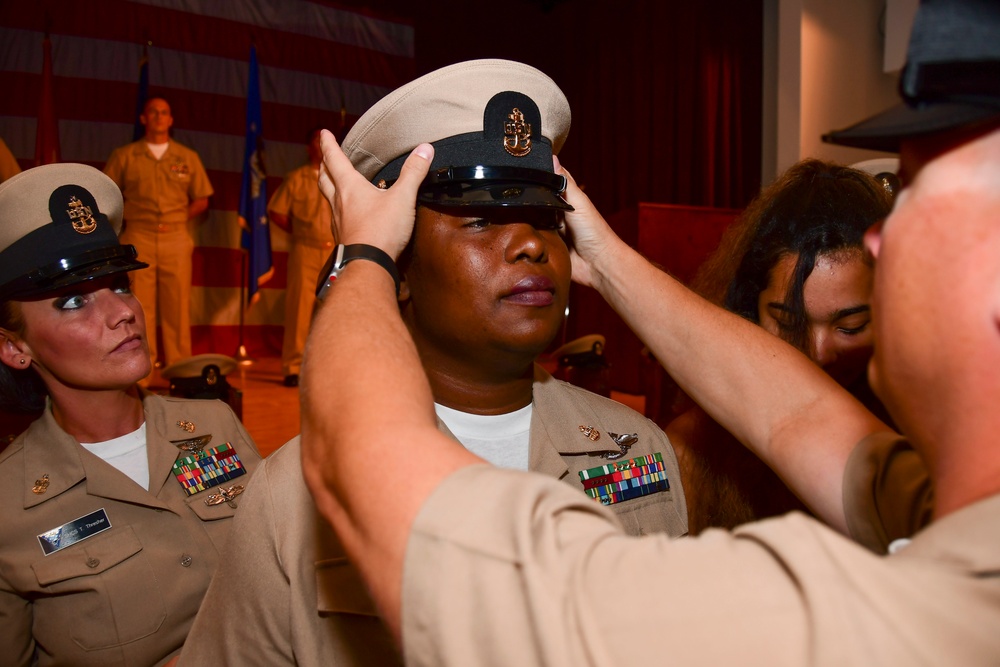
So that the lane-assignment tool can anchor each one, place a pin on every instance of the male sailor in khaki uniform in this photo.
(300, 209)
(165, 188)
(473, 565)
(483, 290)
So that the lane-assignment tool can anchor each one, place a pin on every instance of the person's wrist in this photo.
(344, 254)
(381, 239)
(604, 264)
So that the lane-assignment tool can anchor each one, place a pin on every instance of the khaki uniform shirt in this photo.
(307, 209)
(300, 600)
(127, 595)
(887, 491)
(546, 578)
(8, 164)
(158, 191)
(309, 215)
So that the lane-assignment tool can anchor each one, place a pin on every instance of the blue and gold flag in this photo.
(256, 239)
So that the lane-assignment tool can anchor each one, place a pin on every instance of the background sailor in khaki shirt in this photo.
(8, 164)
(786, 591)
(165, 188)
(300, 209)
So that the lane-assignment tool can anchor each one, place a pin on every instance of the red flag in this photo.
(47, 132)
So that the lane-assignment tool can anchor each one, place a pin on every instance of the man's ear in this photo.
(14, 352)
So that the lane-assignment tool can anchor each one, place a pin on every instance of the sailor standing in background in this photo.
(300, 209)
(165, 187)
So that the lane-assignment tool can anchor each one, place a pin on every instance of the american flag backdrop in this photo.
(320, 65)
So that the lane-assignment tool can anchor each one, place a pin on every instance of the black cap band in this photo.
(79, 244)
(509, 163)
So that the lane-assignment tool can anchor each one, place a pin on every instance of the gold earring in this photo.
(22, 361)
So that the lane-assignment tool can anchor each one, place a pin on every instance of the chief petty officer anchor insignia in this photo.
(517, 134)
(81, 216)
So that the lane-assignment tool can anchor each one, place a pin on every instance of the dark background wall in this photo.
(666, 94)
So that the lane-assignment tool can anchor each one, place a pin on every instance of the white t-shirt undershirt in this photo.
(158, 149)
(500, 439)
(127, 453)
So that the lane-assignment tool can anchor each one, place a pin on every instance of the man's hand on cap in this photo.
(363, 213)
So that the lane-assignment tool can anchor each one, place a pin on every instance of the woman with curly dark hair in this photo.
(794, 264)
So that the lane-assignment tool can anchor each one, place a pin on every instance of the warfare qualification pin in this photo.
(624, 442)
(225, 496)
(195, 444)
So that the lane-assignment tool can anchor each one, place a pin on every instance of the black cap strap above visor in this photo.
(481, 185)
(448, 175)
(71, 270)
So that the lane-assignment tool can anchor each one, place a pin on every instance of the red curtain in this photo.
(666, 94)
(666, 101)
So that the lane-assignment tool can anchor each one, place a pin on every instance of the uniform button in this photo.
(186, 560)
(93, 562)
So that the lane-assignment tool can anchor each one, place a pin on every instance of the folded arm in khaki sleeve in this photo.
(888, 493)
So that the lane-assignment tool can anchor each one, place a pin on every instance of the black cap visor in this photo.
(72, 270)
(885, 131)
(487, 195)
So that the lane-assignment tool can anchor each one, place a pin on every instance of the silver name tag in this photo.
(74, 531)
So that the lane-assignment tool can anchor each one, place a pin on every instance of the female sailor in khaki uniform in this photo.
(115, 501)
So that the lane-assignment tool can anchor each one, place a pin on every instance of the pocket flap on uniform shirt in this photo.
(340, 590)
(89, 557)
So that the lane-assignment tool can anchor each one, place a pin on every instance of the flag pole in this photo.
(242, 358)
(47, 125)
(139, 130)
(256, 265)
